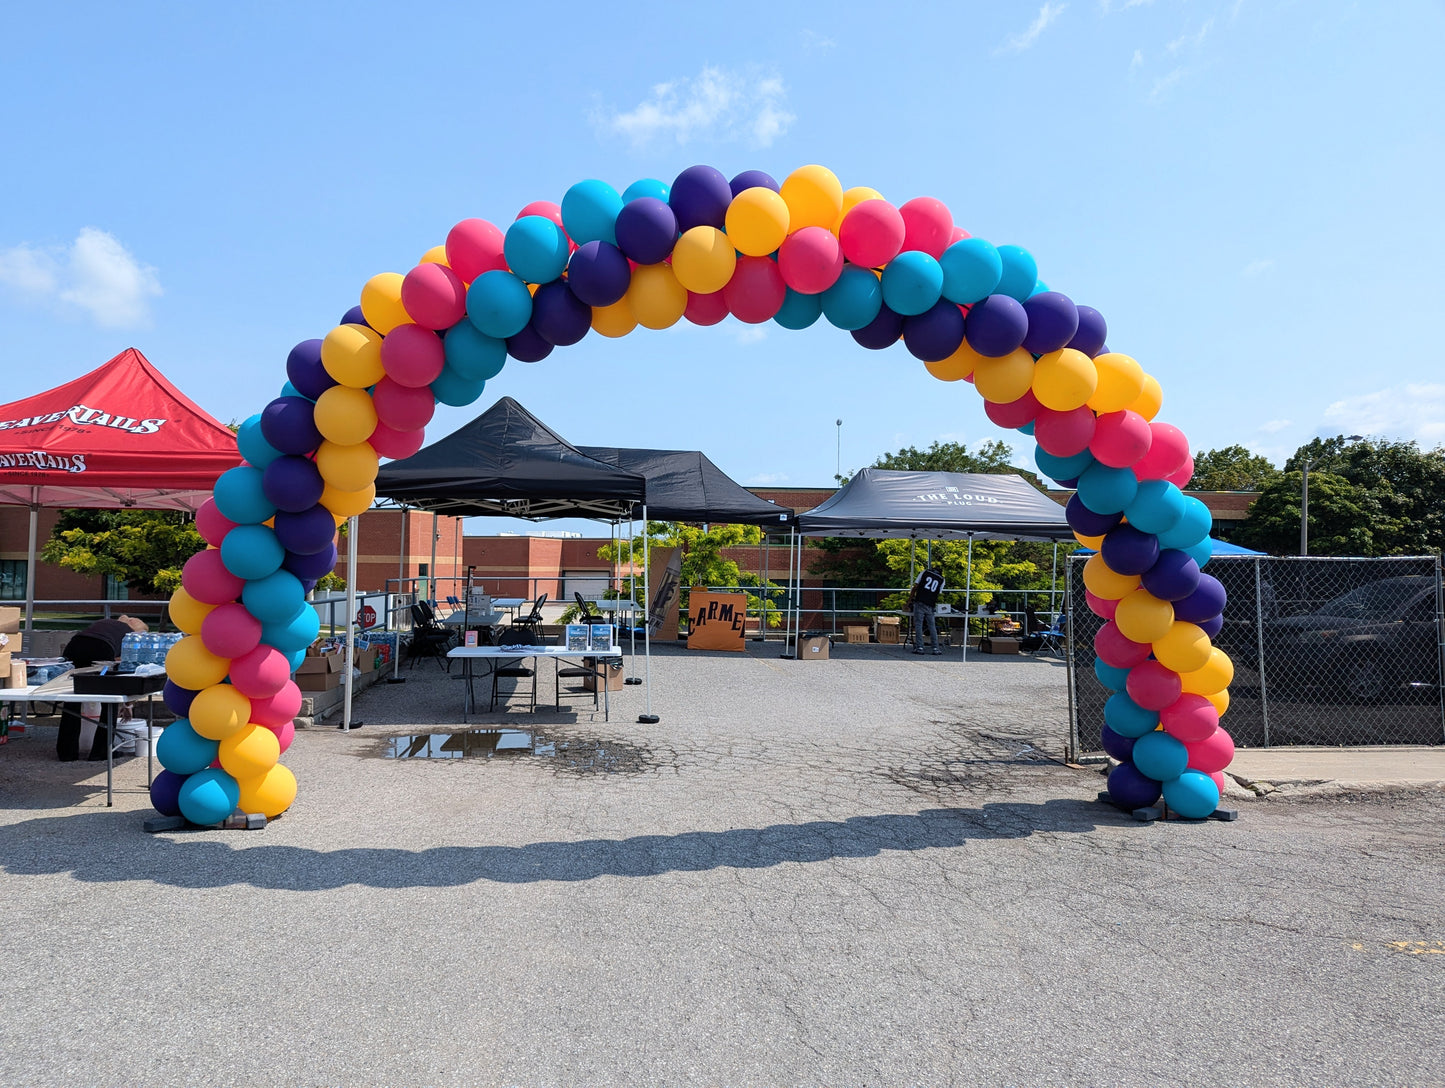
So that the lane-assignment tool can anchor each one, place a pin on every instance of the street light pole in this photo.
(838, 464)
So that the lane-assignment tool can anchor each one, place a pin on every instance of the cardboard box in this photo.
(12, 642)
(9, 621)
(886, 630)
(365, 657)
(318, 681)
(815, 647)
(999, 644)
(616, 675)
(855, 632)
(314, 664)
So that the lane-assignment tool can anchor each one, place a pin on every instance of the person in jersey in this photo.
(923, 599)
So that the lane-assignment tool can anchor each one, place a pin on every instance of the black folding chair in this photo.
(532, 619)
(587, 614)
(512, 668)
(429, 638)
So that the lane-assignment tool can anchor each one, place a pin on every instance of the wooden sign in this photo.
(715, 620)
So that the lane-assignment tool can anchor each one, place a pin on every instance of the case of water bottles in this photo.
(145, 648)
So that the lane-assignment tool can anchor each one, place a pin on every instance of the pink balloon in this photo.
(285, 732)
(474, 246)
(261, 673)
(1118, 651)
(705, 309)
(928, 225)
(389, 442)
(1181, 476)
(1214, 753)
(401, 407)
(958, 235)
(756, 291)
(545, 208)
(1190, 718)
(1101, 606)
(412, 355)
(1064, 433)
(1153, 685)
(279, 709)
(212, 524)
(1120, 438)
(1218, 777)
(872, 233)
(230, 631)
(434, 295)
(1016, 412)
(206, 578)
(1167, 451)
(810, 260)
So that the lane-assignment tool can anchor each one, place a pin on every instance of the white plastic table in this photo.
(495, 654)
(28, 695)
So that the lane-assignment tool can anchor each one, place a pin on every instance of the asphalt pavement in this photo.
(872, 870)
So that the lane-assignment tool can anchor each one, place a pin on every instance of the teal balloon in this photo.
(1160, 756)
(254, 448)
(536, 249)
(1157, 507)
(1020, 272)
(241, 498)
(854, 300)
(658, 190)
(289, 390)
(275, 598)
(209, 796)
(1039, 288)
(251, 552)
(473, 355)
(295, 658)
(449, 387)
(1127, 718)
(1062, 468)
(1106, 490)
(1192, 795)
(589, 212)
(912, 283)
(1201, 552)
(293, 635)
(972, 269)
(1111, 677)
(499, 304)
(799, 311)
(184, 751)
(1192, 527)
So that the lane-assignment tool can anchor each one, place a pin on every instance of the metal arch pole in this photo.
(352, 529)
(648, 718)
(30, 562)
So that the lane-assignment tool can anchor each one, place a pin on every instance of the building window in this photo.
(115, 589)
(12, 579)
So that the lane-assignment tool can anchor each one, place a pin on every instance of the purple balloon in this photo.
(354, 316)
(1087, 523)
(1204, 603)
(934, 334)
(306, 532)
(177, 698)
(700, 197)
(1131, 788)
(996, 326)
(646, 230)
(560, 317)
(1092, 332)
(598, 274)
(1121, 748)
(1128, 551)
(166, 792)
(1212, 627)
(1174, 577)
(753, 179)
(308, 584)
(292, 483)
(882, 332)
(529, 345)
(305, 372)
(1053, 321)
(289, 425)
(313, 566)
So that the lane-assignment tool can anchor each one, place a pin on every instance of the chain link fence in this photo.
(1326, 651)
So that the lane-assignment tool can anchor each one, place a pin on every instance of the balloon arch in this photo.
(700, 249)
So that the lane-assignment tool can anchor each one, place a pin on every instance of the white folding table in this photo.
(494, 655)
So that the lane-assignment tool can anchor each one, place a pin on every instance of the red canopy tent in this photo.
(120, 436)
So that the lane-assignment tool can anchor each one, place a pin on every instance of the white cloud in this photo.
(767, 479)
(816, 42)
(1108, 7)
(1257, 267)
(1164, 83)
(1274, 426)
(1414, 410)
(714, 104)
(1190, 41)
(750, 334)
(1137, 61)
(94, 274)
(1017, 43)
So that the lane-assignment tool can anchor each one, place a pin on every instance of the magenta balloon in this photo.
(1167, 450)
(927, 226)
(1153, 685)
(1214, 753)
(212, 524)
(810, 260)
(599, 274)
(389, 442)
(230, 631)
(996, 326)
(401, 407)
(434, 296)
(872, 233)
(413, 356)
(699, 198)
(261, 673)
(1015, 413)
(559, 316)
(1116, 650)
(1190, 718)
(1120, 438)
(279, 709)
(206, 578)
(285, 732)
(936, 333)
(1063, 434)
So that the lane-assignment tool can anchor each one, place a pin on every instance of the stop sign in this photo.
(366, 616)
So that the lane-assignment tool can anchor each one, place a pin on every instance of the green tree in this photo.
(1233, 468)
(145, 549)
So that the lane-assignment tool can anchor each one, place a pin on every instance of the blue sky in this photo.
(1248, 190)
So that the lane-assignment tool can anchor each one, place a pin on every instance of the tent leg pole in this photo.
(30, 563)
(352, 528)
(632, 592)
(394, 619)
(967, 592)
(790, 633)
(649, 718)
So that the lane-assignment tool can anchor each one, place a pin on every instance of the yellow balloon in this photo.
(1216, 675)
(1143, 617)
(187, 613)
(352, 355)
(381, 302)
(1103, 581)
(1005, 378)
(703, 260)
(193, 666)
(346, 504)
(1064, 379)
(345, 415)
(656, 298)
(961, 364)
(219, 711)
(757, 222)
(1184, 648)
(249, 752)
(269, 794)
(1220, 699)
(814, 196)
(1093, 543)
(1151, 400)
(347, 468)
(851, 199)
(1121, 380)
(615, 320)
(435, 255)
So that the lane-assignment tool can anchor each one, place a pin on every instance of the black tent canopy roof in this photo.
(683, 485)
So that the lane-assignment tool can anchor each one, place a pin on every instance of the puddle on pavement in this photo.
(575, 755)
